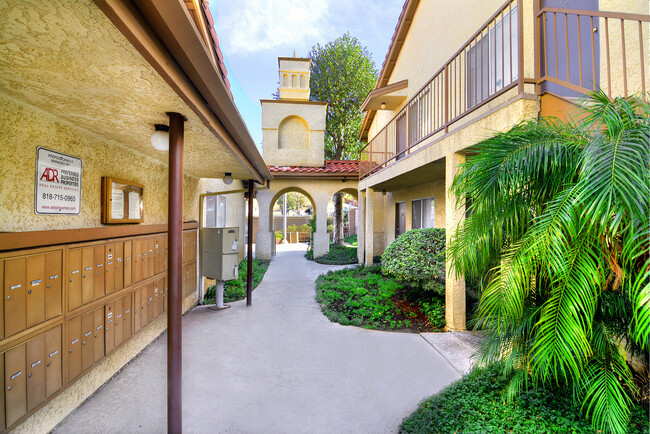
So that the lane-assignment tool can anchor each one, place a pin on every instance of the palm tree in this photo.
(558, 233)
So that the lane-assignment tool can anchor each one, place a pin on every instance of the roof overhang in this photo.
(386, 98)
(164, 33)
(396, 43)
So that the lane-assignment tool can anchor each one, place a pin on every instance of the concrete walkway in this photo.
(279, 366)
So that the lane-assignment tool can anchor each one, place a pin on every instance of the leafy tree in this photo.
(296, 201)
(558, 230)
(342, 74)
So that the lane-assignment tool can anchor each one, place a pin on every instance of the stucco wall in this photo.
(24, 128)
(294, 153)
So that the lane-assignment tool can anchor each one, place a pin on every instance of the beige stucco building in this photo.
(294, 148)
(82, 84)
(442, 91)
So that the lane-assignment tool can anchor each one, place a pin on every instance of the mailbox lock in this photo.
(48, 285)
(29, 291)
(9, 297)
(69, 351)
(48, 364)
(70, 280)
(10, 387)
(29, 375)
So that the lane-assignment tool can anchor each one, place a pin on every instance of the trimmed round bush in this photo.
(417, 257)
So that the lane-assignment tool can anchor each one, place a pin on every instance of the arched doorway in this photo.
(342, 217)
(291, 215)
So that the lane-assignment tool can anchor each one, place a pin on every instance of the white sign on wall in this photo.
(58, 183)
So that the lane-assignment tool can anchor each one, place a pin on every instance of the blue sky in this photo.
(254, 33)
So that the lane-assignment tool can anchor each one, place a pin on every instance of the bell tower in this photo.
(294, 77)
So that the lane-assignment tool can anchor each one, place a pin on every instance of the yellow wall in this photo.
(24, 128)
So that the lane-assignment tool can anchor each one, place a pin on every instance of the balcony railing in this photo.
(568, 62)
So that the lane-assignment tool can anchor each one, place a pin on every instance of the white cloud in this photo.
(248, 26)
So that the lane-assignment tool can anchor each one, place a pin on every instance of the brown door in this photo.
(118, 266)
(35, 371)
(128, 261)
(156, 297)
(152, 258)
(35, 299)
(165, 291)
(166, 243)
(53, 366)
(15, 384)
(14, 293)
(118, 319)
(127, 322)
(73, 360)
(157, 250)
(400, 218)
(137, 310)
(75, 277)
(98, 334)
(88, 276)
(2, 381)
(137, 260)
(87, 340)
(150, 304)
(109, 321)
(98, 273)
(2, 330)
(109, 268)
(53, 271)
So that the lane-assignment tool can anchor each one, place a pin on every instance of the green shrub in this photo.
(236, 289)
(292, 228)
(304, 228)
(360, 296)
(417, 257)
(278, 236)
(351, 239)
(339, 255)
(475, 404)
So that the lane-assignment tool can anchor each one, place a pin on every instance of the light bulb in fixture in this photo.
(383, 106)
(160, 137)
(227, 179)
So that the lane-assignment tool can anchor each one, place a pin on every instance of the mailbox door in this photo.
(87, 340)
(137, 310)
(74, 348)
(53, 279)
(109, 268)
(230, 240)
(166, 243)
(99, 271)
(75, 277)
(15, 384)
(137, 260)
(165, 292)
(118, 266)
(230, 267)
(35, 285)
(128, 261)
(127, 322)
(152, 257)
(98, 334)
(88, 274)
(150, 304)
(53, 378)
(119, 318)
(14, 292)
(2, 378)
(35, 368)
(156, 297)
(109, 333)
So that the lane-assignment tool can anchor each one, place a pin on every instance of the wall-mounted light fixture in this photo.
(227, 179)
(160, 137)
(383, 105)
(383, 192)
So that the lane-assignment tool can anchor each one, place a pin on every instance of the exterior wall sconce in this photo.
(160, 137)
(227, 179)
(383, 192)
(383, 106)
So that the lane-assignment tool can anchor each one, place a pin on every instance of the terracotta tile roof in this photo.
(215, 42)
(331, 167)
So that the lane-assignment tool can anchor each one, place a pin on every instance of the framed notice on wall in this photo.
(122, 201)
(58, 183)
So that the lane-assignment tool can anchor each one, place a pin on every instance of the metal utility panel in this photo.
(220, 253)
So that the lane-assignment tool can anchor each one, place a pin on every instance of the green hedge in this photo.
(417, 257)
(475, 404)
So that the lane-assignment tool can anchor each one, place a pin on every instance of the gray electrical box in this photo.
(220, 253)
